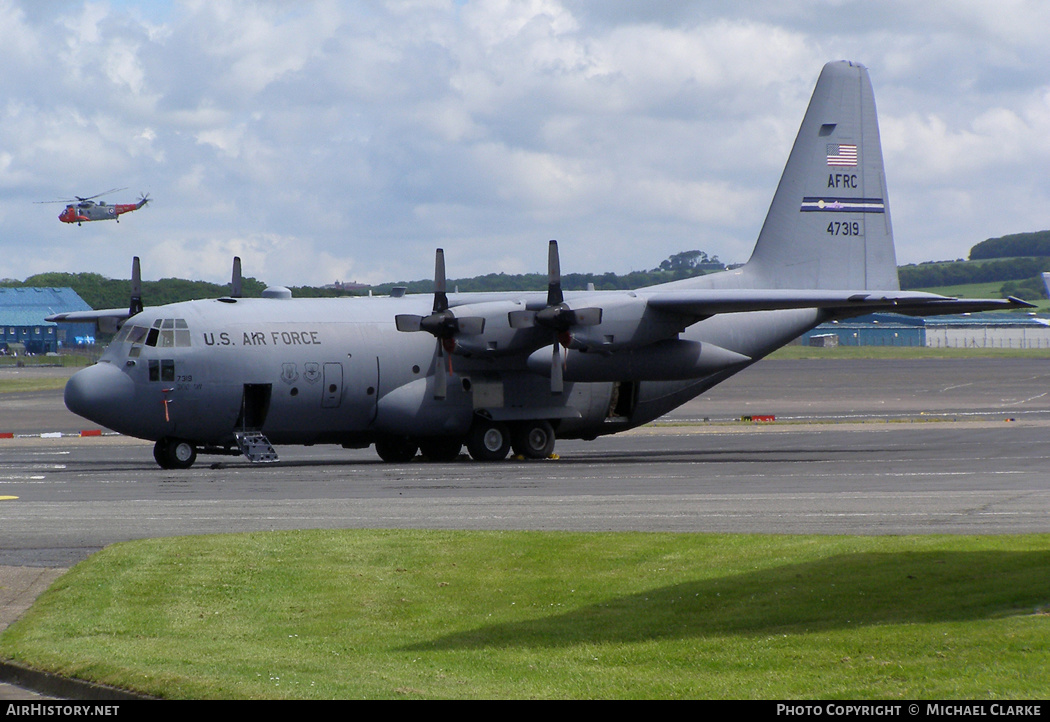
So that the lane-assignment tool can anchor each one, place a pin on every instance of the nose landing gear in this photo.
(174, 453)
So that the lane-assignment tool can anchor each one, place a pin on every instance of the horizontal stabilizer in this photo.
(701, 303)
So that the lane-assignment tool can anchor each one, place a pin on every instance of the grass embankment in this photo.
(25, 385)
(71, 360)
(990, 289)
(443, 614)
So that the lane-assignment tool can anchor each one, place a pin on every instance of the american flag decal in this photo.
(842, 154)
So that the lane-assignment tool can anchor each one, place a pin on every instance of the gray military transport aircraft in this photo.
(499, 370)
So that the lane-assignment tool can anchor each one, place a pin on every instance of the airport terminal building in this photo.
(23, 329)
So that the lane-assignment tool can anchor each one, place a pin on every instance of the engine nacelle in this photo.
(626, 323)
(671, 360)
(498, 338)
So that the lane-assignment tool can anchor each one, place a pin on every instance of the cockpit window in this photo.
(162, 370)
(164, 332)
(182, 332)
(137, 334)
(169, 333)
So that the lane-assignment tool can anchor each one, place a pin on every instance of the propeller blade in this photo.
(440, 377)
(557, 382)
(554, 294)
(584, 316)
(135, 306)
(521, 319)
(440, 297)
(470, 325)
(235, 280)
(407, 322)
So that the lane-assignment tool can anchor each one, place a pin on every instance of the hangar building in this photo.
(22, 325)
(985, 330)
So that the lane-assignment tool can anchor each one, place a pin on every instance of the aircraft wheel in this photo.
(533, 439)
(396, 449)
(488, 441)
(441, 448)
(174, 453)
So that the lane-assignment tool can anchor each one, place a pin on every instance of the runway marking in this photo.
(1030, 398)
(7, 498)
(45, 453)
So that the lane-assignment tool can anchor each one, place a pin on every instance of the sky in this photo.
(346, 140)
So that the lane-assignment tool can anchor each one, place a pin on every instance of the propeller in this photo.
(557, 316)
(144, 199)
(235, 280)
(135, 305)
(443, 325)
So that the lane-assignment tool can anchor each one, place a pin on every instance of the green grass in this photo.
(68, 360)
(968, 290)
(24, 385)
(984, 290)
(447, 614)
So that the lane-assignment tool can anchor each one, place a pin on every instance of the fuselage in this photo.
(90, 211)
(305, 371)
(514, 370)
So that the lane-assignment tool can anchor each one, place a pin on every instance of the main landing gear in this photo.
(487, 440)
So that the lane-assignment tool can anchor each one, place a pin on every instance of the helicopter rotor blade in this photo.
(103, 193)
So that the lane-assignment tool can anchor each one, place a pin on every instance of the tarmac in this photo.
(818, 395)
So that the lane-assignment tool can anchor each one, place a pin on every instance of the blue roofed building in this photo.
(22, 324)
(984, 330)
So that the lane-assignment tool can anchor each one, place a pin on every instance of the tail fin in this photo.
(829, 223)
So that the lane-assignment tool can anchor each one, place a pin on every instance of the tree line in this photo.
(1017, 260)
(101, 292)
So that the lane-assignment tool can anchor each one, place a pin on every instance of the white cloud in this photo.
(348, 139)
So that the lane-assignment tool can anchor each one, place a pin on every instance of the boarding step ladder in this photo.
(255, 447)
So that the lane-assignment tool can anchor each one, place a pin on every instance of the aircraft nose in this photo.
(101, 393)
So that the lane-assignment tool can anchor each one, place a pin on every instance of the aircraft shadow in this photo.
(778, 456)
(839, 592)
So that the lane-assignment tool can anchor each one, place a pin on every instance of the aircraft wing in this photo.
(108, 320)
(84, 316)
(702, 303)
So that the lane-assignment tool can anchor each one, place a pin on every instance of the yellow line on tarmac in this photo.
(5, 498)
